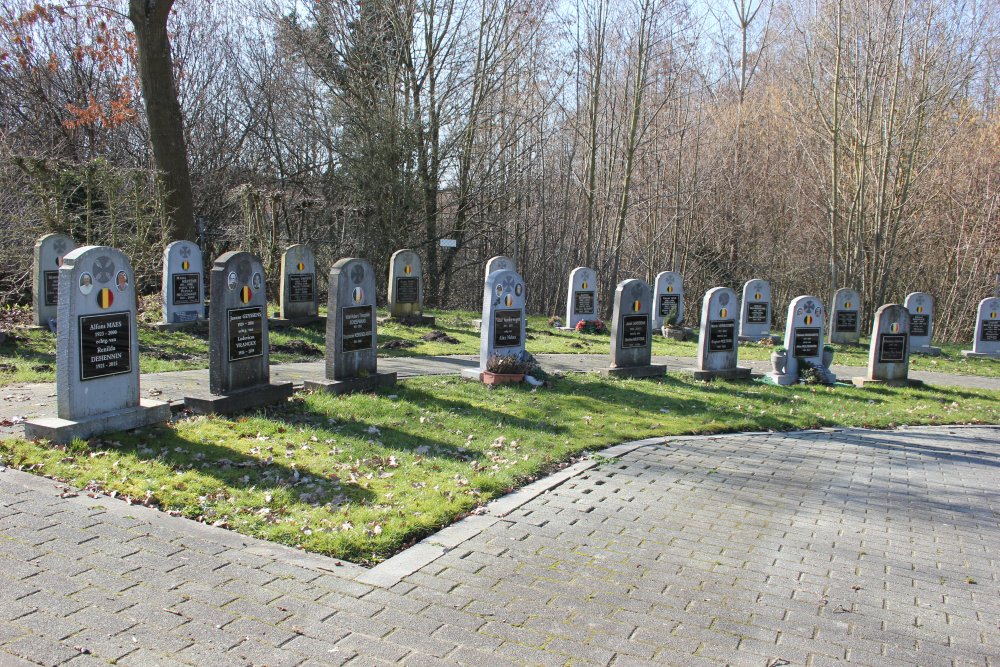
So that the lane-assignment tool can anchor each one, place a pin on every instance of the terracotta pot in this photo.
(490, 378)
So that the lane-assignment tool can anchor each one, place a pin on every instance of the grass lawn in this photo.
(360, 477)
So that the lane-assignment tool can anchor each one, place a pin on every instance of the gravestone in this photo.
(845, 322)
(183, 281)
(297, 293)
(97, 351)
(406, 288)
(631, 332)
(497, 263)
(503, 332)
(804, 339)
(239, 372)
(921, 307)
(718, 345)
(351, 331)
(668, 296)
(755, 311)
(49, 252)
(581, 299)
(986, 343)
(889, 358)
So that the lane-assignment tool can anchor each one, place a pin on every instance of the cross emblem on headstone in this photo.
(243, 269)
(358, 274)
(809, 307)
(60, 247)
(919, 300)
(508, 281)
(724, 298)
(104, 268)
(185, 252)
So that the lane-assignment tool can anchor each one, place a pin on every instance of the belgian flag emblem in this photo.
(670, 289)
(894, 327)
(246, 294)
(408, 269)
(185, 265)
(105, 298)
(301, 266)
(808, 319)
(993, 315)
(636, 306)
(920, 309)
(358, 295)
(757, 296)
(584, 285)
(723, 312)
(508, 300)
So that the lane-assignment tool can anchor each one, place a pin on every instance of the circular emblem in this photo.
(799, 312)
(185, 252)
(257, 281)
(724, 299)
(105, 298)
(920, 309)
(499, 289)
(86, 283)
(670, 289)
(584, 285)
(636, 290)
(508, 301)
(357, 274)
(185, 265)
(501, 265)
(121, 280)
(243, 269)
(59, 246)
(757, 296)
(894, 327)
(358, 295)
(246, 294)
(301, 266)
(104, 269)
(408, 269)
(519, 289)
(847, 304)
(993, 315)
(636, 306)
(232, 281)
(723, 312)
(808, 319)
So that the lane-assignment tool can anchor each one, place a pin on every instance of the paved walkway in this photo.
(873, 548)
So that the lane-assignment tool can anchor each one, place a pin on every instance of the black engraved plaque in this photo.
(407, 290)
(670, 302)
(246, 333)
(635, 331)
(847, 321)
(990, 331)
(105, 345)
(757, 312)
(507, 328)
(722, 336)
(358, 329)
(919, 324)
(187, 289)
(50, 281)
(583, 303)
(301, 288)
(806, 342)
(891, 348)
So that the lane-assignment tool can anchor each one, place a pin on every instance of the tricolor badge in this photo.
(670, 289)
(358, 295)
(920, 309)
(408, 269)
(723, 312)
(246, 294)
(508, 300)
(894, 327)
(301, 266)
(847, 305)
(185, 265)
(636, 306)
(583, 285)
(757, 296)
(808, 319)
(993, 315)
(105, 298)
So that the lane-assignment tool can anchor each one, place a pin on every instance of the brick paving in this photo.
(854, 546)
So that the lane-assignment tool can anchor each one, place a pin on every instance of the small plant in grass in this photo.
(671, 319)
(591, 327)
(809, 373)
(507, 364)
(555, 321)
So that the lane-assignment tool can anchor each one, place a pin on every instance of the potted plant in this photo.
(779, 360)
(591, 327)
(828, 351)
(504, 369)
(671, 328)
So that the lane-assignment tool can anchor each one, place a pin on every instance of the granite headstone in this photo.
(889, 357)
(845, 321)
(668, 297)
(755, 311)
(503, 333)
(49, 252)
(718, 344)
(804, 340)
(297, 294)
(581, 300)
(406, 288)
(631, 332)
(986, 343)
(183, 282)
(921, 307)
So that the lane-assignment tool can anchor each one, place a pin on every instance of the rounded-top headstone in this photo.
(921, 308)
(987, 340)
(351, 337)
(183, 300)
(503, 325)
(631, 344)
(49, 253)
(755, 310)
(97, 358)
(238, 345)
(889, 358)
(499, 263)
(581, 301)
(717, 345)
(668, 298)
(804, 331)
(845, 322)
(297, 295)
(406, 285)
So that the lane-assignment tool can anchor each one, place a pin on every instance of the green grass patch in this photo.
(360, 477)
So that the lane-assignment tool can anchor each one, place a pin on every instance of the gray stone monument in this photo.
(239, 374)
(497, 263)
(718, 346)
(921, 307)
(889, 358)
(183, 283)
(406, 288)
(804, 338)
(986, 344)
(49, 253)
(297, 293)
(97, 358)
(668, 297)
(351, 332)
(845, 322)
(631, 332)
(504, 332)
(755, 311)
(581, 299)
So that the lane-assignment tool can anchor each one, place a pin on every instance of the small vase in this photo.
(779, 361)
(827, 358)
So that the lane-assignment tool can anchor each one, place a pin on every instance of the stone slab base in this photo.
(178, 326)
(980, 355)
(63, 431)
(36, 327)
(724, 374)
(472, 374)
(926, 350)
(283, 323)
(352, 385)
(783, 379)
(756, 339)
(653, 370)
(238, 401)
(673, 334)
(868, 382)
(412, 320)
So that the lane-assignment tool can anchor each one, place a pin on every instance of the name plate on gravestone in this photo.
(668, 303)
(507, 328)
(246, 333)
(757, 312)
(51, 287)
(919, 324)
(722, 336)
(635, 329)
(990, 331)
(892, 349)
(301, 287)
(407, 290)
(583, 303)
(806, 343)
(847, 321)
(105, 345)
(358, 328)
(187, 289)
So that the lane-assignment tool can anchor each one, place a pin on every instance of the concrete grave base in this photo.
(238, 401)
(37, 327)
(756, 339)
(783, 379)
(675, 333)
(179, 326)
(352, 385)
(868, 382)
(62, 431)
(980, 355)
(653, 370)
(927, 350)
(410, 320)
(285, 323)
(725, 374)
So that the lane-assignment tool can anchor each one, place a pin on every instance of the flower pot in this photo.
(491, 378)
(827, 358)
(779, 362)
